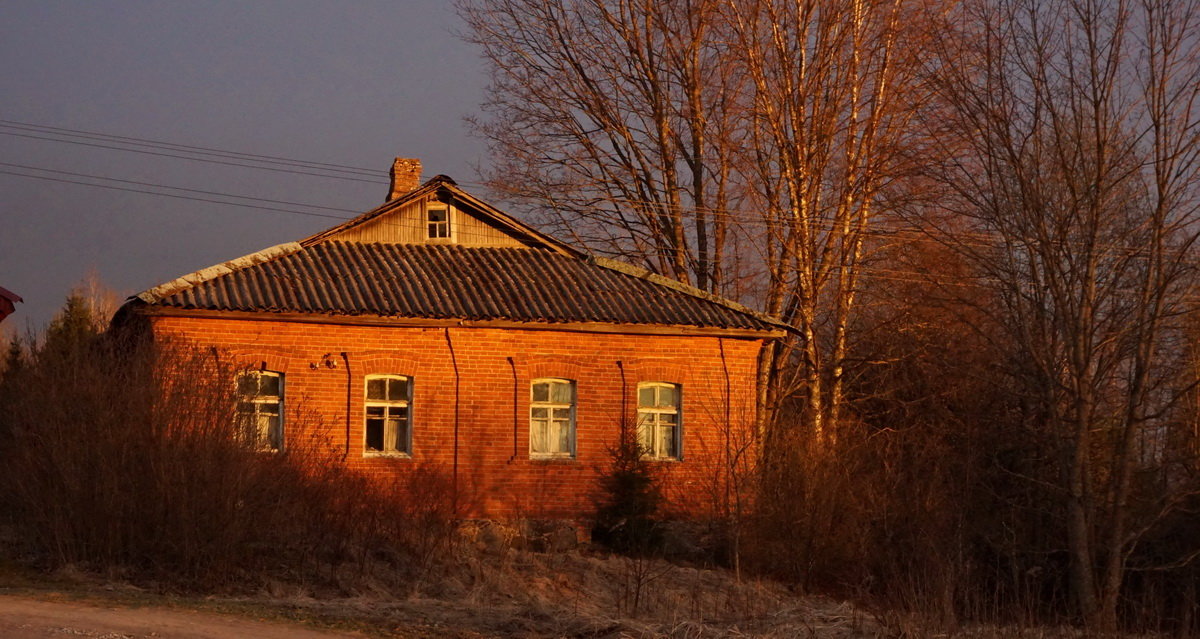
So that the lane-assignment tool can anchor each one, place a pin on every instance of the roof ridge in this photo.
(687, 289)
(167, 289)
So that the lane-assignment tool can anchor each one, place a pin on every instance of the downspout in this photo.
(513, 366)
(349, 393)
(624, 395)
(733, 511)
(454, 472)
(728, 424)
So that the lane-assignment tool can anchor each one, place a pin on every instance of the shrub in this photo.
(630, 496)
(125, 455)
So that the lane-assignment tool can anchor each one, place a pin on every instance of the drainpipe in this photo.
(513, 366)
(349, 393)
(733, 510)
(454, 475)
(624, 394)
(728, 423)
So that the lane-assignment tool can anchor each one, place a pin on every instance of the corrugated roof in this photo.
(451, 282)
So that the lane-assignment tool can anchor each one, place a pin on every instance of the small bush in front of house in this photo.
(629, 499)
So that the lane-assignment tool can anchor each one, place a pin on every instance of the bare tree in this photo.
(1071, 129)
(673, 133)
(619, 119)
(834, 88)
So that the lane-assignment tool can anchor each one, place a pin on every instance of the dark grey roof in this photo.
(447, 282)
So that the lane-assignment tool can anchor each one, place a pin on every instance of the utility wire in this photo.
(983, 239)
(175, 188)
(897, 275)
(178, 197)
(203, 150)
(194, 159)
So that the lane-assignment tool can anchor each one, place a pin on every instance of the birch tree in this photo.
(833, 88)
(737, 146)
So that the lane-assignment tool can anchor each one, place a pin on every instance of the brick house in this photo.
(437, 331)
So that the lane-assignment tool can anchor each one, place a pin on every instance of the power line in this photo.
(983, 239)
(178, 197)
(462, 232)
(203, 150)
(194, 159)
(176, 188)
(898, 275)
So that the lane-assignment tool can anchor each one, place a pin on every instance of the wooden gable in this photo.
(469, 222)
(408, 223)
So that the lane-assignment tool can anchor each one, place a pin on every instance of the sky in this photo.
(353, 84)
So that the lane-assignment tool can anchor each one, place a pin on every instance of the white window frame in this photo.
(548, 418)
(448, 224)
(257, 410)
(650, 420)
(405, 446)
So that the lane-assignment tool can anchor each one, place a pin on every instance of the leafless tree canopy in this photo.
(1030, 167)
(737, 146)
(1070, 131)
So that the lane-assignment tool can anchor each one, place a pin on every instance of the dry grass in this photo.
(517, 593)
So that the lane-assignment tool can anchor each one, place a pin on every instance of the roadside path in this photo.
(25, 618)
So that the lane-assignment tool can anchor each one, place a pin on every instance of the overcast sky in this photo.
(345, 83)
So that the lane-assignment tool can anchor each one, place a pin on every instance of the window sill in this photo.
(376, 454)
(552, 458)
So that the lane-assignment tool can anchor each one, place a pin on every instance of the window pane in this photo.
(397, 435)
(666, 441)
(247, 385)
(375, 434)
(668, 397)
(560, 393)
(646, 396)
(668, 419)
(268, 385)
(541, 392)
(375, 411)
(646, 434)
(564, 437)
(537, 435)
(273, 437)
(539, 413)
(437, 215)
(563, 414)
(397, 389)
(376, 388)
(391, 432)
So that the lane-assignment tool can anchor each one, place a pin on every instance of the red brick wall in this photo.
(495, 476)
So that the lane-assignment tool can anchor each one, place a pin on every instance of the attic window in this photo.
(437, 215)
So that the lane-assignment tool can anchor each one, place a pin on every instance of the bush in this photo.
(630, 496)
(124, 455)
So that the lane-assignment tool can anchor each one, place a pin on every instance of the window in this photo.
(658, 419)
(387, 417)
(260, 409)
(552, 418)
(438, 217)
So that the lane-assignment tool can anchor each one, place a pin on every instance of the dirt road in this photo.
(24, 618)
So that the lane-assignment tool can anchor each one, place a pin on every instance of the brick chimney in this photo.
(406, 176)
